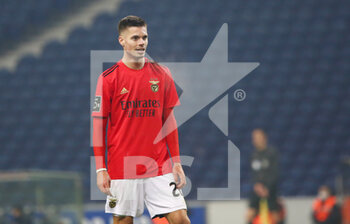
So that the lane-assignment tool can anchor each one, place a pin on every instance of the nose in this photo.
(141, 42)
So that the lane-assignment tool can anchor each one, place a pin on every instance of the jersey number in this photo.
(174, 190)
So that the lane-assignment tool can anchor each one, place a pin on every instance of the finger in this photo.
(176, 178)
(179, 185)
(108, 192)
(182, 181)
(109, 183)
(102, 189)
(106, 183)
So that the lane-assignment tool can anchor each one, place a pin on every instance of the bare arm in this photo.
(99, 134)
(172, 140)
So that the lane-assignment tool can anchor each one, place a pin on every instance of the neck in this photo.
(133, 63)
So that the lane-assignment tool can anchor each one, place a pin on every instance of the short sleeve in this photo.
(102, 102)
(171, 98)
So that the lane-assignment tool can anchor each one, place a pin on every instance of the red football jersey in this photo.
(133, 101)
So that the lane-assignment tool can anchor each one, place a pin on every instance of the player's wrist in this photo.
(177, 166)
(176, 160)
(101, 169)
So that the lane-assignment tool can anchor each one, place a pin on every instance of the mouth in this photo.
(140, 50)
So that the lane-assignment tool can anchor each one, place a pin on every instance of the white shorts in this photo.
(130, 195)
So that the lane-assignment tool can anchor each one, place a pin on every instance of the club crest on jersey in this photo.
(154, 86)
(112, 202)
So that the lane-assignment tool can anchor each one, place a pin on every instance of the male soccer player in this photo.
(136, 98)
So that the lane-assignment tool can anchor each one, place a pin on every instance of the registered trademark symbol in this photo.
(239, 94)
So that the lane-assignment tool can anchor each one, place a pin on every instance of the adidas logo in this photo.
(124, 91)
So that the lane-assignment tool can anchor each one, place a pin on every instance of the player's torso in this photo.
(135, 117)
(138, 95)
(261, 161)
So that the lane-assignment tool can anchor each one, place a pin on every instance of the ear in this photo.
(121, 40)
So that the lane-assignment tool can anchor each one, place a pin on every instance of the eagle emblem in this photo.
(154, 86)
(112, 202)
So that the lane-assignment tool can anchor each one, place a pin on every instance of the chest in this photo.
(138, 92)
(260, 164)
(143, 86)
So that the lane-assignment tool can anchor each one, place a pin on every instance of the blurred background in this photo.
(299, 95)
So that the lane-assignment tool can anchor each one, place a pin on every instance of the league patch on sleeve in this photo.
(97, 104)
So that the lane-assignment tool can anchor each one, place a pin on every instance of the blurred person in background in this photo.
(325, 209)
(19, 217)
(263, 202)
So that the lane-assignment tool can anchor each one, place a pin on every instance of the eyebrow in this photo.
(139, 36)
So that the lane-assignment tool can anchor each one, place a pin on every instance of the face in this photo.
(16, 212)
(323, 193)
(259, 140)
(134, 41)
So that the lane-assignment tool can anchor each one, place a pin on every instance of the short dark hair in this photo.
(129, 21)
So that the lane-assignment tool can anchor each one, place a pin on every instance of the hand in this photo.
(179, 176)
(104, 182)
(261, 190)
